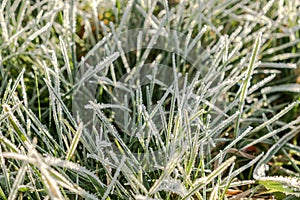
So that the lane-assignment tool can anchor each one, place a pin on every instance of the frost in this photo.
(172, 185)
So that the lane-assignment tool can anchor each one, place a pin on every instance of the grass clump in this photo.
(149, 99)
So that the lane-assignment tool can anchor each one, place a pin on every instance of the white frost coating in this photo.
(261, 83)
(287, 185)
(40, 31)
(278, 65)
(261, 171)
(282, 88)
(172, 185)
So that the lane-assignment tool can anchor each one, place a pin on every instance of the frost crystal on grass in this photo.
(286, 185)
(158, 85)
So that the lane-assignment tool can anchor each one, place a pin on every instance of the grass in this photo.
(149, 100)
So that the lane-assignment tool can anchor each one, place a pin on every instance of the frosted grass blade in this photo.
(246, 82)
